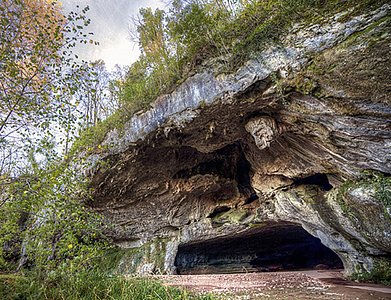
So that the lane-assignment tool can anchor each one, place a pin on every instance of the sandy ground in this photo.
(279, 285)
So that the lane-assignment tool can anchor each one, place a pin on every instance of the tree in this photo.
(37, 67)
(44, 221)
(157, 48)
(116, 86)
(30, 40)
(93, 93)
(40, 192)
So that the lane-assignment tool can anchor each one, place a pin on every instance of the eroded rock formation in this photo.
(281, 143)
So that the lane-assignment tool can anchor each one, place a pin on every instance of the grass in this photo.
(89, 285)
(97, 282)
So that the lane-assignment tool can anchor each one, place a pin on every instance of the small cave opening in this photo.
(228, 162)
(243, 170)
(268, 248)
(218, 210)
(318, 179)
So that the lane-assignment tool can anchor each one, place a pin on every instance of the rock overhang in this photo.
(224, 153)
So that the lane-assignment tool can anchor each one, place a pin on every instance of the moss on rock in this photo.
(235, 216)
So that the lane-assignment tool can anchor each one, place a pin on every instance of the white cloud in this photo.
(110, 22)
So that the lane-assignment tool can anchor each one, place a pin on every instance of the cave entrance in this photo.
(271, 247)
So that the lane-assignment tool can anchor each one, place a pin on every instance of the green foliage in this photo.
(97, 282)
(381, 273)
(139, 88)
(377, 181)
(175, 43)
(197, 28)
(37, 66)
(45, 220)
(91, 137)
(93, 284)
(383, 190)
(46, 231)
(43, 223)
(380, 183)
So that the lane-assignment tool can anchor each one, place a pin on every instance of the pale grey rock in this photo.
(146, 269)
(169, 258)
(264, 130)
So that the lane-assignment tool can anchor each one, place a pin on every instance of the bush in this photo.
(381, 273)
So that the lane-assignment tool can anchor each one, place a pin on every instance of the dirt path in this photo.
(280, 285)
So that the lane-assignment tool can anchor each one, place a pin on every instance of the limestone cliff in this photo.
(279, 144)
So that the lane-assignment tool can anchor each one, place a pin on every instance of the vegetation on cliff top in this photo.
(177, 43)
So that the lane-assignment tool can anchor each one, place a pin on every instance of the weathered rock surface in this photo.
(284, 140)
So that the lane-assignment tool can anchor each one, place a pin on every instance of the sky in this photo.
(110, 23)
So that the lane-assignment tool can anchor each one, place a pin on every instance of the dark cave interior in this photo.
(272, 247)
(228, 162)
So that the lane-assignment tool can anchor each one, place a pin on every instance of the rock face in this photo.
(276, 147)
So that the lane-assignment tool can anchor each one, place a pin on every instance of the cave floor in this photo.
(316, 284)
